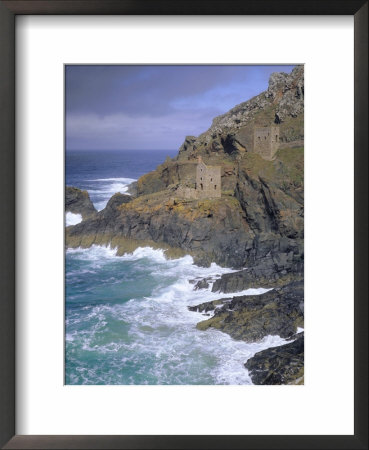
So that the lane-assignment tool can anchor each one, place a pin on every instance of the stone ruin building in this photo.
(207, 183)
(266, 141)
(208, 180)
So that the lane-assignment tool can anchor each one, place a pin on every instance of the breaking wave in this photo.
(72, 219)
(102, 189)
(127, 322)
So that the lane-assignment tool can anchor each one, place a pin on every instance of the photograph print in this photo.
(184, 224)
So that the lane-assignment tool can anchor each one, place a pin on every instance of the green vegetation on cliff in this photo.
(257, 225)
(261, 203)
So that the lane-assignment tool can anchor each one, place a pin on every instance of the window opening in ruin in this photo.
(215, 186)
(202, 187)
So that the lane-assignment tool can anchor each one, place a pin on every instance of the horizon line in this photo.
(120, 149)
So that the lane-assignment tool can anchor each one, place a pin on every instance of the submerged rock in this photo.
(279, 365)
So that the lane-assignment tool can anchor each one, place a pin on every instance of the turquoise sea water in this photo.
(127, 320)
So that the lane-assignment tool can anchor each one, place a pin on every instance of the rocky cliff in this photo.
(279, 365)
(282, 103)
(78, 202)
(257, 226)
(258, 221)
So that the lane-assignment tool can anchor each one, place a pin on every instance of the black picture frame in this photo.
(8, 11)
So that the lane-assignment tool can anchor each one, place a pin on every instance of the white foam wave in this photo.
(163, 342)
(106, 187)
(124, 180)
(106, 194)
(155, 255)
(72, 219)
(110, 189)
(94, 253)
(163, 325)
(231, 368)
(183, 268)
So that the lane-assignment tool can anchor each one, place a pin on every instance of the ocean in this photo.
(126, 317)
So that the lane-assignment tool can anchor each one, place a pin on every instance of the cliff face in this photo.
(257, 225)
(282, 103)
(230, 138)
(210, 230)
(258, 221)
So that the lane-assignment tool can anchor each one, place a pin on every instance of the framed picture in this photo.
(155, 237)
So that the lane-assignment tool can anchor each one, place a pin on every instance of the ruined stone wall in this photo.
(208, 181)
(274, 140)
(187, 192)
(266, 141)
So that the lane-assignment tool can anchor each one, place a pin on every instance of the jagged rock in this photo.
(116, 200)
(209, 230)
(188, 144)
(279, 365)
(78, 202)
(208, 306)
(132, 189)
(258, 221)
(250, 318)
(281, 103)
(202, 284)
(280, 267)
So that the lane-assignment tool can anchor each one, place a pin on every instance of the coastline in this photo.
(194, 318)
(233, 196)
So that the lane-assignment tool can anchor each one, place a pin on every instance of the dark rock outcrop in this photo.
(276, 269)
(104, 218)
(257, 225)
(282, 103)
(202, 284)
(279, 365)
(78, 202)
(278, 312)
(258, 221)
(209, 306)
(115, 201)
(132, 189)
(210, 230)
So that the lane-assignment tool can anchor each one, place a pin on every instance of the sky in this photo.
(128, 107)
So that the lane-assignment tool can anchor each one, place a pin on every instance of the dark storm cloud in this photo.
(152, 106)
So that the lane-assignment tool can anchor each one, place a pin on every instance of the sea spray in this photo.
(127, 322)
(72, 219)
(104, 172)
(106, 188)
